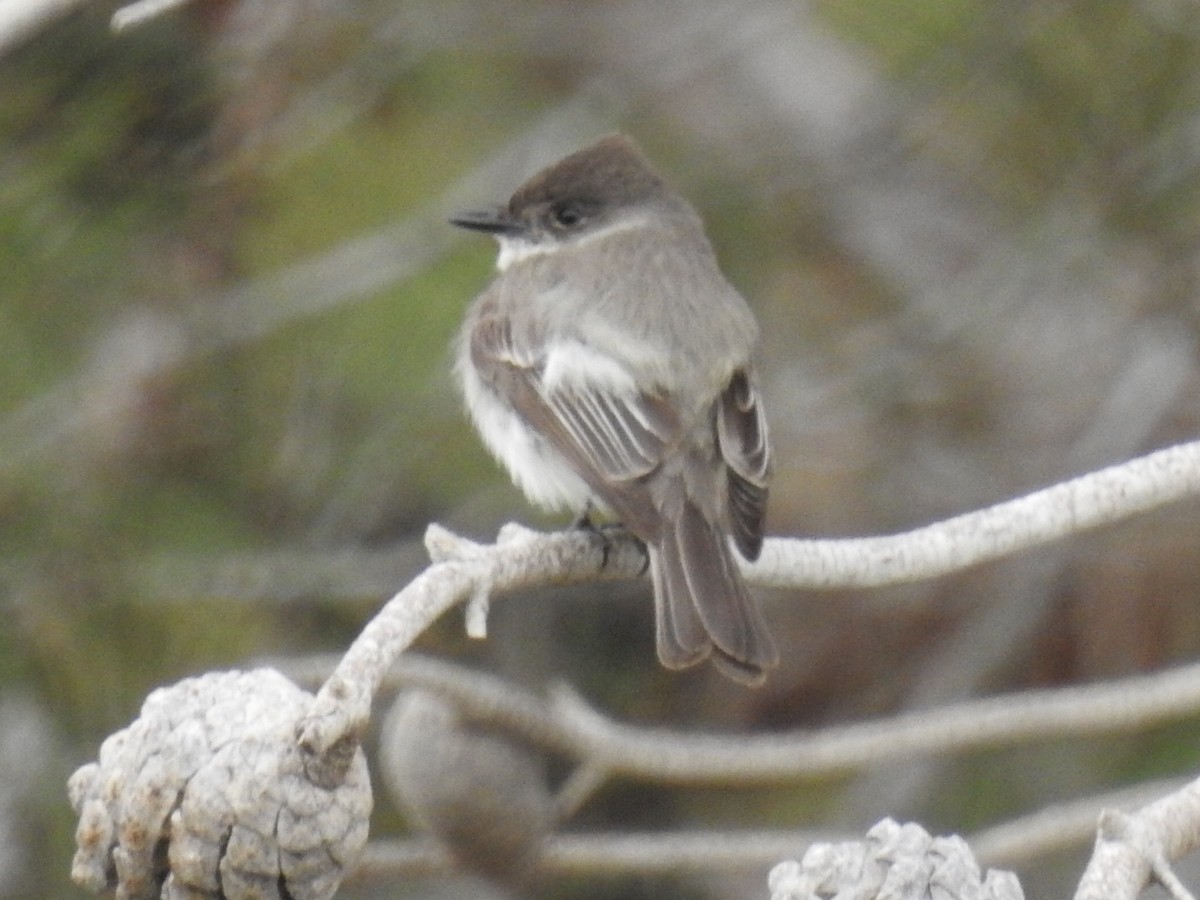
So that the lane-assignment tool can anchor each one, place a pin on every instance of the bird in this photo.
(609, 366)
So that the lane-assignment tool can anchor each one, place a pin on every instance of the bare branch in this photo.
(580, 854)
(1009, 843)
(141, 11)
(1060, 826)
(329, 732)
(1089, 501)
(523, 558)
(665, 755)
(566, 724)
(1132, 848)
(519, 558)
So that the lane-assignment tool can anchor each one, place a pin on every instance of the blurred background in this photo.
(228, 292)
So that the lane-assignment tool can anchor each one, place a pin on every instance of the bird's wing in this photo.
(745, 447)
(589, 408)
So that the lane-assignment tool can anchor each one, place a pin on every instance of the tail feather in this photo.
(702, 602)
(682, 639)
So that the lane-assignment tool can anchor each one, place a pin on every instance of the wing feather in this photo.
(611, 434)
(745, 447)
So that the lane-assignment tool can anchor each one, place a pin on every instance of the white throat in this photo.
(515, 249)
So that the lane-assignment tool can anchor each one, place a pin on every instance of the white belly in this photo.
(536, 468)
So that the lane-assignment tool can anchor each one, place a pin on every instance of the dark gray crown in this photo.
(610, 173)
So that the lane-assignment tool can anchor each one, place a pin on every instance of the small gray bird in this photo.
(609, 363)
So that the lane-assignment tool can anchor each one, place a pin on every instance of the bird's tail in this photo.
(702, 604)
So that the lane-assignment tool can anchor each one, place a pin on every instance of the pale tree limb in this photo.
(330, 727)
(564, 723)
(1132, 849)
(643, 853)
(1020, 597)
(522, 558)
(141, 11)
(604, 749)
(1089, 501)
(1143, 484)
(462, 570)
(1015, 842)
(1060, 826)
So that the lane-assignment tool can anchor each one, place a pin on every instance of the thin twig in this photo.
(1061, 826)
(567, 725)
(1019, 840)
(577, 854)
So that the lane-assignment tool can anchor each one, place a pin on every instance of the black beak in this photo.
(492, 221)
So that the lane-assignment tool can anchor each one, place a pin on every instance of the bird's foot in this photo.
(607, 533)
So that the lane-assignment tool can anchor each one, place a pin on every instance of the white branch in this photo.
(607, 748)
(567, 725)
(1089, 501)
(1133, 848)
(1009, 843)
(581, 854)
(136, 13)
(522, 558)
(1060, 826)
(1130, 849)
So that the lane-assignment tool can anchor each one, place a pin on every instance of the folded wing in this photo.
(613, 434)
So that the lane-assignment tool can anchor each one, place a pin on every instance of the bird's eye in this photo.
(568, 215)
